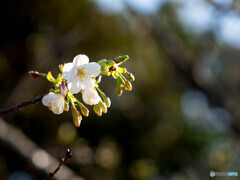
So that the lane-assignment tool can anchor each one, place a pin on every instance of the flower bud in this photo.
(121, 80)
(63, 89)
(107, 101)
(84, 110)
(103, 106)
(119, 85)
(121, 59)
(130, 76)
(36, 74)
(61, 67)
(119, 91)
(97, 110)
(66, 107)
(76, 117)
(128, 85)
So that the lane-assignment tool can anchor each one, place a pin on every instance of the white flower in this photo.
(55, 102)
(80, 73)
(90, 96)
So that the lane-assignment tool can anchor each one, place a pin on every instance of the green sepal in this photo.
(121, 70)
(110, 63)
(115, 74)
(99, 79)
(121, 80)
(56, 90)
(106, 99)
(50, 77)
(102, 61)
(59, 79)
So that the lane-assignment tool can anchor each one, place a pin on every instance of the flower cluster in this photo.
(80, 76)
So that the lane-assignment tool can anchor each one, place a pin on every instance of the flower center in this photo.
(81, 72)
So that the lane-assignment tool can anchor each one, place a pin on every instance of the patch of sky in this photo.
(196, 15)
(145, 6)
(111, 6)
(229, 30)
(141, 6)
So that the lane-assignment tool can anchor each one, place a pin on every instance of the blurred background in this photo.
(181, 120)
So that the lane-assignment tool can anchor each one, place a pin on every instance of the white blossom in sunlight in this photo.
(80, 73)
(55, 102)
(90, 96)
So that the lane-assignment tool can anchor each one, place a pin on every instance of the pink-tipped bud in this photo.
(119, 91)
(63, 89)
(97, 110)
(84, 110)
(107, 101)
(130, 76)
(66, 107)
(103, 106)
(128, 85)
(35, 74)
(76, 117)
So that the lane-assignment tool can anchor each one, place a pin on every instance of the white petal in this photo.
(90, 97)
(80, 60)
(57, 104)
(75, 85)
(69, 71)
(93, 69)
(57, 110)
(88, 83)
(47, 99)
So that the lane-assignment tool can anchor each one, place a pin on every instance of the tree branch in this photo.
(21, 105)
(62, 162)
(37, 158)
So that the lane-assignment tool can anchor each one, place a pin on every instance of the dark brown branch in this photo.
(21, 105)
(62, 162)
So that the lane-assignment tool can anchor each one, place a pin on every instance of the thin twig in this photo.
(19, 106)
(62, 162)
